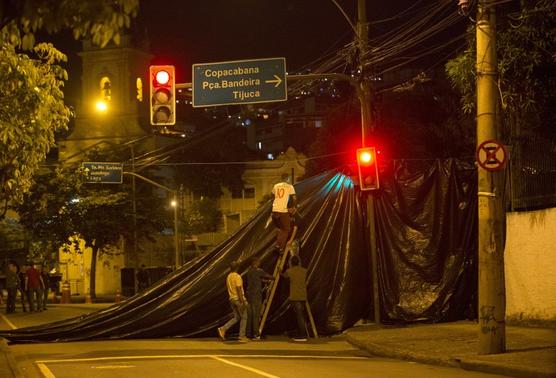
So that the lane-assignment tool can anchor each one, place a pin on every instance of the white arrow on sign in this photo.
(278, 81)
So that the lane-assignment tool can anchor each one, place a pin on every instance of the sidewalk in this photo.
(531, 352)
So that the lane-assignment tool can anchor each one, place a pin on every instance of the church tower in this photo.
(114, 98)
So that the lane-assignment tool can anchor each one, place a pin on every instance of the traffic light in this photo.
(368, 169)
(163, 95)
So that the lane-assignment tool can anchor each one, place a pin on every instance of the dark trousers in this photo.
(35, 298)
(44, 297)
(299, 309)
(254, 315)
(283, 222)
(24, 298)
(12, 294)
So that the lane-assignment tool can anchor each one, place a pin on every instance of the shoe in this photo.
(243, 340)
(222, 333)
(257, 338)
(299, 339)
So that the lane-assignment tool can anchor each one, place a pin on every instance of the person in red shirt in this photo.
(34, 285)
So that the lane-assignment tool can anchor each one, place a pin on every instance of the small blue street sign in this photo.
(239, 82)
(103, 173)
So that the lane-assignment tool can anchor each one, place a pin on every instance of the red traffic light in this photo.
(365, 157)
(162, 77)
(367, 168)
(163, 95)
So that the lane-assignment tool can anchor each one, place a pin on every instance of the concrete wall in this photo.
(76, 268)
(530, 265)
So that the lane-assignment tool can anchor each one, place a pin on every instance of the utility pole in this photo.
(364, 94)
(135, 260)
(491, 212)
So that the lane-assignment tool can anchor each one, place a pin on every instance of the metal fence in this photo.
(533, 174)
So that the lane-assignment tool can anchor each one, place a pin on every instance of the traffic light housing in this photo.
(367, 166)
(163, 95)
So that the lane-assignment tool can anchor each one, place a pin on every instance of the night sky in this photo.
(183, 32)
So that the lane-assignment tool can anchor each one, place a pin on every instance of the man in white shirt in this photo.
(282, 193)
(234, 284)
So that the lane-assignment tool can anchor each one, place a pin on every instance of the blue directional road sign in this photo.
(103, 173)
(239, 82)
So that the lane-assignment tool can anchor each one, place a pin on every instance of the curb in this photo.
(463, 363)
(498, 368)
(12, 364)
(400, 354)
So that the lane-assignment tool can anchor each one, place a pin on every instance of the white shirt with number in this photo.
(282, 192)
(234, 284)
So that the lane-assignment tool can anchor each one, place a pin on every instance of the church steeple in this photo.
(112, 106)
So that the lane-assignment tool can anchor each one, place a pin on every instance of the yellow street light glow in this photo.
(101, 106)
(173, 203)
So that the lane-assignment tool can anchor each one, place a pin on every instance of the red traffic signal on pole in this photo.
(367, 168)
(163, 95)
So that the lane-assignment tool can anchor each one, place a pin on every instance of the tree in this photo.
(201, 216)
(60, 205)
(32, 105)
(526, 41)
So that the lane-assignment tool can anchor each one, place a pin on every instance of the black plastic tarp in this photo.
(426, 245)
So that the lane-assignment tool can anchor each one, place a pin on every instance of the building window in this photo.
(139, 86)
(105, 88)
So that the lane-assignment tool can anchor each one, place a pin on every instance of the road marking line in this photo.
(45, 371)
(7, 321)
(186, 356)
(245, 367)
(113, 367)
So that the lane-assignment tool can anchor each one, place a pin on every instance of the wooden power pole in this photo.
(491, 212)
(364, 94)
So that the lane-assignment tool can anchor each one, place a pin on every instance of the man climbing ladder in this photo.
(281, 210)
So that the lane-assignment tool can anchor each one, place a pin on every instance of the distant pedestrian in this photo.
(255, 277)
(142, 278)
(45, 275)
(239, 304)
(12, 284)
(297, 276)
(281, 210)
(21, 272)
(34, 285)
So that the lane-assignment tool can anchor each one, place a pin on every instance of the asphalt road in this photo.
(210, 358)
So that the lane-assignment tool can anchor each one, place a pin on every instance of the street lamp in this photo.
(101, 106)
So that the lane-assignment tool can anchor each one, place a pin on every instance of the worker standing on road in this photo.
(239, 304)
(255, 277)
(45, 275)
(34, 285)
(24, 294)
(12, 284)
(297, 275)
(282, 209)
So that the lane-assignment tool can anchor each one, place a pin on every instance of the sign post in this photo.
(239, 82)
(103, 172)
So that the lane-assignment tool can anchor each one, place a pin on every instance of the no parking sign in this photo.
(492, 155)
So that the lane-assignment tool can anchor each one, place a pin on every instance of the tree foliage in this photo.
(32, 104)
(31, 111)
(526, 41)
(61, 205)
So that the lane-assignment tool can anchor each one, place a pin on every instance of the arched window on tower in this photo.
(105, 88)
(139, 86)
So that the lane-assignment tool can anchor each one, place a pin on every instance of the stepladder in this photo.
(267, 303)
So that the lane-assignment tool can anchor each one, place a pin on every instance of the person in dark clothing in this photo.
(22, 289)
(45, 275)
(12, 284)
(34, 285)
(142, 278)
(297, 275)
(255, 277)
